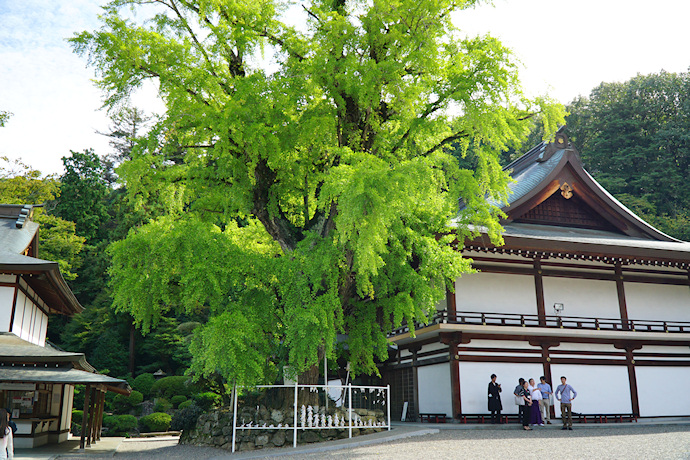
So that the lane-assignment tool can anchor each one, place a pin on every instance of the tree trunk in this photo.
(309, 377)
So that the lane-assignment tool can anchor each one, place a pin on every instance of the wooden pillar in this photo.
(539, 291)
(453, 339)
(415, 378)
(85, 416)
(92, 414)
(451, 305)
(455, 378)
(632, 379)
(99, 415)
(622, 306)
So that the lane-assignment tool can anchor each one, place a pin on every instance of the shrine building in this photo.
(582, 288)
(37, 379)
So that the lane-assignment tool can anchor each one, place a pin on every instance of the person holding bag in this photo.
(523, 401)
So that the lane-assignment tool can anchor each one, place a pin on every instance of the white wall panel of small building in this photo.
(475, 378)
(581, 297)
(496, 293)
(661, 302)
(434, 389)
(67, 400)
(601, 389)
(30, 323)
(6, 298)
(659, 390)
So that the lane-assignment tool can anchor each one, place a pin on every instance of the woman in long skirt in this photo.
(535, 413)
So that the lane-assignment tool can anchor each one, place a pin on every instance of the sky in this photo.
(565, 47)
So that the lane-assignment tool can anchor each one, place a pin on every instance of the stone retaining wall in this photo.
(215, 428)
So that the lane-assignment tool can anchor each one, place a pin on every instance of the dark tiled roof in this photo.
(30, 374)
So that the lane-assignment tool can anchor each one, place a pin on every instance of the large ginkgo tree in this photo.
(303, 167)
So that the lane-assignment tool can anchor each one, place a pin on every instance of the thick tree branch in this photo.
(278, 226)
(446, 141)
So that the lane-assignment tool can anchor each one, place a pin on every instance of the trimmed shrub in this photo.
(185, 404)
(168, 387)
(207, 400)
(185, 418)
(125, 423)
(123, 404)
(162, 405)
(143, 383)
(158, 421)
(177, 400)
(77, 416)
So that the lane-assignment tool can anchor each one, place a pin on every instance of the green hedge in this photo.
(144, 383)
(122, 403)
(162, 405)
(158, 421)
(185, 404)
(167, 387)
(120, 424)
(207, 400)
(177, 400)
(77, 416)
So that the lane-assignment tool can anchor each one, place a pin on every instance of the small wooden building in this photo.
(582, 287)
(37, 380)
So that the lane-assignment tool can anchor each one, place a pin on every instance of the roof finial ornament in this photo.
(560, 142)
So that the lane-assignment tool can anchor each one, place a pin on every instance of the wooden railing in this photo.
(550, 321)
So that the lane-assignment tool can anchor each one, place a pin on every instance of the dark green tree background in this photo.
(634, 138)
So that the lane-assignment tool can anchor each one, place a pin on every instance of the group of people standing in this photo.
(534, 402)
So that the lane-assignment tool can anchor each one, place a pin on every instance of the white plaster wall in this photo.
(655, 390)
(6, 298)
(426, 348)
(496, 293)
(67, 399)
(600, 389)
(513, 344)
(19, 313)
(590, 298)
(8, 278)
(30, 323)
(565, 346)
(475, 378)
(434, 389)
(657, 302)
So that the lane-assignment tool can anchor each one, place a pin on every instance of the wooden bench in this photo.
(486, 418)
(432, 418)
(604, 418)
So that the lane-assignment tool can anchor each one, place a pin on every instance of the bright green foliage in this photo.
(156, 422)
(634, 140)
(308, 200)
(143, 383)
(4, 116)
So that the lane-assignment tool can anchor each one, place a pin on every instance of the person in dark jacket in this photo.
(495, 405)
(11, 423)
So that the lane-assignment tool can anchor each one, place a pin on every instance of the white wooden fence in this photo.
(386, 391)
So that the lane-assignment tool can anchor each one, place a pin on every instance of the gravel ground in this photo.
(655, 442)
(633, 442)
